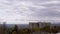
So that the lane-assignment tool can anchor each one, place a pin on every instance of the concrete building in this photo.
(3, 29)
(43, 24)
(38, 24)
(33, 25)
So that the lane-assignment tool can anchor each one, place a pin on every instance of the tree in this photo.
(15, 30)
(25, 31)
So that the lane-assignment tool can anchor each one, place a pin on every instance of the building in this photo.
(43, 24)
(33, 25)
(39, 24)
(3, 29)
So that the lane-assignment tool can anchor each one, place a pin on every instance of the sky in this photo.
(25, 11)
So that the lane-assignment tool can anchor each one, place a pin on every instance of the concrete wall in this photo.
(33, 25)
(38, 24)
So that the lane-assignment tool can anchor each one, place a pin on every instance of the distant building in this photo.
(38, 24)
(43, 24)
(33, 25)
(3, 29)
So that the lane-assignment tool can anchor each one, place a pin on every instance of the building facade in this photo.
(38, 24)
(43, 24)
(33, 25)
(3, 29)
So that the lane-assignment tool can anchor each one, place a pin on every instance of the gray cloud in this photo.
(29, 10)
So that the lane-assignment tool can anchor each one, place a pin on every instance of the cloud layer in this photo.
(23, 11)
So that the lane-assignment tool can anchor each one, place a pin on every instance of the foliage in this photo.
(15, 29)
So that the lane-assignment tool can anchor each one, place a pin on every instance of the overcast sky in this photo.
(23, 11)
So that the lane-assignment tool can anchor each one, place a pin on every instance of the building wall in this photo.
(33, 25)
(38, 24)
(3, 30)
(41, 25)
